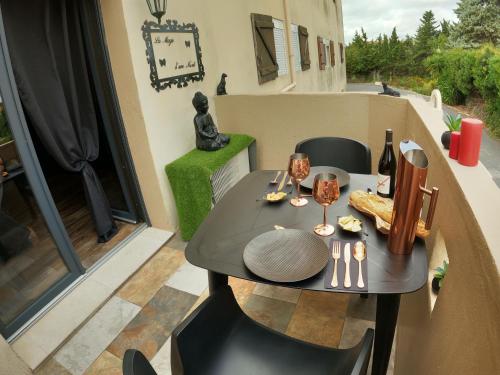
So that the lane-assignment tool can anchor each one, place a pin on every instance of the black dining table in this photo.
(241, 215)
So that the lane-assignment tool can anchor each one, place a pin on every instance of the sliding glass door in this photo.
(68, 190)
(35, 258)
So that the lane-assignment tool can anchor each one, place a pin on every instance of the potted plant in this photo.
(437, 281)
(453, 122)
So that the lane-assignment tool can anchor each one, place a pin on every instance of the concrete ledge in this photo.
(51, 330)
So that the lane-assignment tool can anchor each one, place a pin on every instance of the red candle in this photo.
(470, 141)
(454, 145)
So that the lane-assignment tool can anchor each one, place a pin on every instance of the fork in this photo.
(336, 257)
(275, 181)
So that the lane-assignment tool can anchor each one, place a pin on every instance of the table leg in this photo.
(385, 326)
(215, 281)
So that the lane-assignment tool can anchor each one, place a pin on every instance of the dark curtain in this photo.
(51, 65)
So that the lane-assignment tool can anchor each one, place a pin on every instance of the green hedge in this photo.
(461, 73)
(417, 84)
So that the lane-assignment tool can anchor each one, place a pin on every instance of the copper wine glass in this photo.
(298, 169)
(325, 192)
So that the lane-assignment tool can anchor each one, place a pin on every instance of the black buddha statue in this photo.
(208, 137)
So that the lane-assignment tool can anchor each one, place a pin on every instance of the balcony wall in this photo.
(459, 332)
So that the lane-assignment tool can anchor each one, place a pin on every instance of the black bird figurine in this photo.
(389, 91)
(221, 87)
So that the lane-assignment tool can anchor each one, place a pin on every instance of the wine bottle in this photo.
(387, 168)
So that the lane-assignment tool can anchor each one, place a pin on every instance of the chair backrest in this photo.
(202, 341)
(135, 363)
(347, 154)
(203, 333)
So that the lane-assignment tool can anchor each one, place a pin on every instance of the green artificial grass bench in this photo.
(189, 177)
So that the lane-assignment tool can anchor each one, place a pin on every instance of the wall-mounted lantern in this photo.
(157, 8)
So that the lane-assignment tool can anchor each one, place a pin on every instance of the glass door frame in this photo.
(41, 192)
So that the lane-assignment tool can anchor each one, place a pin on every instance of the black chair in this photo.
(134, 363)
(347, 154)
(219, 339)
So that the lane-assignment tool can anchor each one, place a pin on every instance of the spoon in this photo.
(360, 255)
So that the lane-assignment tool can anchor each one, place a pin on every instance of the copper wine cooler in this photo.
(409, 197)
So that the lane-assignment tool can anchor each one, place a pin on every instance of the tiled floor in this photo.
(145, 310)
(58, 324)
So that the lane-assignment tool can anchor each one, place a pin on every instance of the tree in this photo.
(396, 53)
(478, 23)
(445, 28)
(363, 35)
(356, 54)
(394, 40)
(407, 60)
(425, 40)
(444, 35)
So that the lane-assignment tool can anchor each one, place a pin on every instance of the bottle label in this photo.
(383, 184)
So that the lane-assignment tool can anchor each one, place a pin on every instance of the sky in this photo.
(380, 16)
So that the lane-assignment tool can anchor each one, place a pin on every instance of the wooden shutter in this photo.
(341, 47)
(332, 53)
(321, 54)
(265, 50)
(305, 60)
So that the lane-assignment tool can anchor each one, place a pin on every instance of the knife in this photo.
(282, 183)
(347, 260)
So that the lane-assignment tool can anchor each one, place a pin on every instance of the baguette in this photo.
(380, 209)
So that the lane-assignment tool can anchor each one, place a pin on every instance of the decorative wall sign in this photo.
(173, 53)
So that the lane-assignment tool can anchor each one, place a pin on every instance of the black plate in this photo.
(342, 176)
(286, 255)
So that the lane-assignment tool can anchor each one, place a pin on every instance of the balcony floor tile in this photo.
(271, 312)
(190, 279)
(93, 338)
(150, 329)
(106, 364)
(151, 277)
(167, 288)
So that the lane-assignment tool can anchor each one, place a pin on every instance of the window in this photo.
(271, 47)
(332, 53)
(321, 54)
(327, 45)
(305, 60)
(296, 48)
(281, 50)
(265, 50)
(341, 48)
